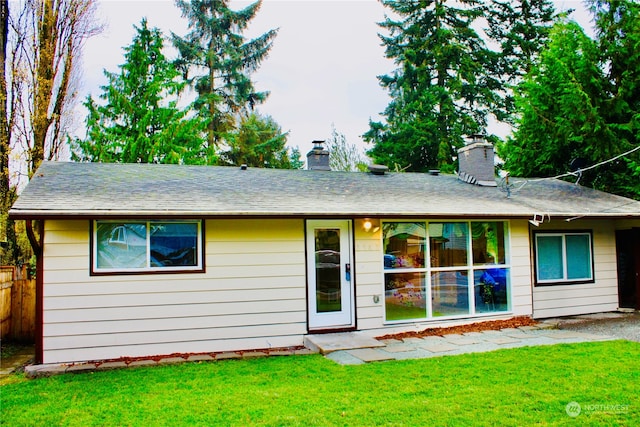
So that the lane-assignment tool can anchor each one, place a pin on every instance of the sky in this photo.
(321, 71)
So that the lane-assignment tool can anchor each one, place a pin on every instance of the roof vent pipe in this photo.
(378, 169)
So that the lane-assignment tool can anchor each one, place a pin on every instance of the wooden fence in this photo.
(18, 309)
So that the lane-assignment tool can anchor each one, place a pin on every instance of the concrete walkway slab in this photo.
(343, 357)
(461, 339)
(354, 348)
(454, 344)
(370, 355)
(439, 347)
(328, 343)
(502, 340)
(400, 348)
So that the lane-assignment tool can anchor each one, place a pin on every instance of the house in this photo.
(144, 259)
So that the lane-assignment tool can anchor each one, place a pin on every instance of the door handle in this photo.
(347, 269)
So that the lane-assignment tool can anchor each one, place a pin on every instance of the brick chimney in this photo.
(318, 157)
(476, 162)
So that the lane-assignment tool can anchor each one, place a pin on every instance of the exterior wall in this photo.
(626, 224)
(600, 296)
(252, 296)
(369, 276)
(253, 293)
(521, 277)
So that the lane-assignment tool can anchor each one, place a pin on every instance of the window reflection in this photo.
(405, 296)
(491, 288)
(488, 242)
(448, 242)
(121, 245)
(146, 245)
(404, 244)
(328, 283)
(450, 293)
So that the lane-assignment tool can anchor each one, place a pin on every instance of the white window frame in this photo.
(565, 276)
(199, 267)
(470, 268)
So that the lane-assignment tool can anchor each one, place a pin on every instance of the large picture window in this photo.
(444, 269)
(563, 258)
(146, 246)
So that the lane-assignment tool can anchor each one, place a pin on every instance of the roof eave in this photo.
(35, 214)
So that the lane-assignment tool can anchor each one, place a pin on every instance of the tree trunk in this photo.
(4, 127)
(47, 36)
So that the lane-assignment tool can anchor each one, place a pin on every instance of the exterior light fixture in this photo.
(538, 219)
(370, 226)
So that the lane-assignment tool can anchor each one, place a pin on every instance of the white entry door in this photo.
(329, 272)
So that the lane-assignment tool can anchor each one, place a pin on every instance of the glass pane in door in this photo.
(328, 283)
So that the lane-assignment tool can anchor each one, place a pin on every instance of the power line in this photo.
(504, 184)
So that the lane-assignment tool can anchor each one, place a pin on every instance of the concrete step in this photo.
(327, 343)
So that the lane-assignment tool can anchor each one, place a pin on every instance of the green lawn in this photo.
(523, 386)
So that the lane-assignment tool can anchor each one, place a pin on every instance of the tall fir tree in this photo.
(444, 86)
(215, 46)
(139, 121)
(258, 142)
(519, 29)
(582, 101)
(559, 105)
(618, 35)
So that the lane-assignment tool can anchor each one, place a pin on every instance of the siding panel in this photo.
(161, 323)
(170, 298)
(600, 296)
(176, 336)
(147, 285)
(171, 311)
(252, 295)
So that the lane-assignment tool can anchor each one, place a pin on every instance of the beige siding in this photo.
(251, 296)
(369, 279)
(625, 224)
(253, 293)
(600, 296)
(520, 253)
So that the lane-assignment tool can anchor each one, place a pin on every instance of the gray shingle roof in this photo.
(100, 189)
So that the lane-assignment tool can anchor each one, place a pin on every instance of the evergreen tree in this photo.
(618, 35)
(258, 142)
(520, 29)
(443, 88)
(582, 101)
(559, 102)
(216, 46)
(140, 121)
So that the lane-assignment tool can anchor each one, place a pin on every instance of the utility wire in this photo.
(577, 173)
(590, 167)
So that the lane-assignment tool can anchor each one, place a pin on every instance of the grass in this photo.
(522, 386)
(8, 349)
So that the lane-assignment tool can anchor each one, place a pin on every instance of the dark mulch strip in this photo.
(156, 358)
(491, 325)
